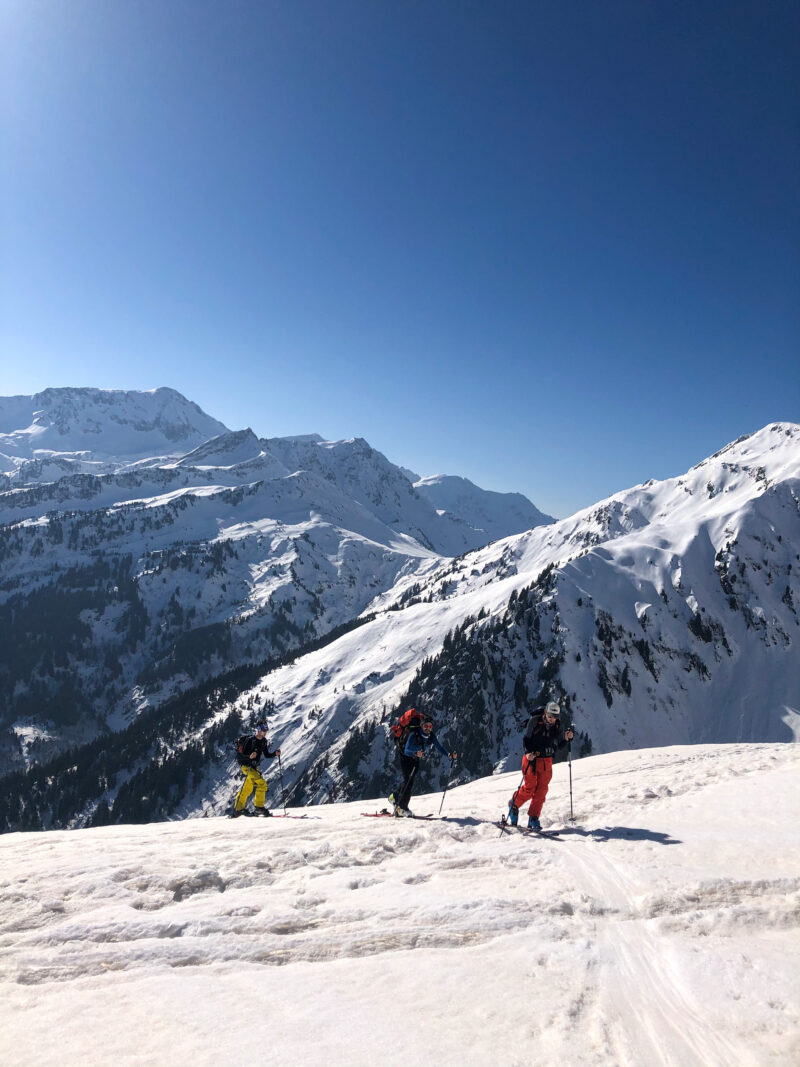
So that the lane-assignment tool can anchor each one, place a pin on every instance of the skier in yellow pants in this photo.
(249, 752)
(253, 780)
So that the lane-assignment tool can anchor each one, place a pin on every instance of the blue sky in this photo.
(554, 247)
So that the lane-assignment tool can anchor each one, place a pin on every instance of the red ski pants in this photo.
(536, 778)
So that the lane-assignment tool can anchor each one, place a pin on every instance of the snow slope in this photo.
(496, 514)
(661, 929)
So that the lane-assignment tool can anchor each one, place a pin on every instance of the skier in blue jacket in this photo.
(417, 741)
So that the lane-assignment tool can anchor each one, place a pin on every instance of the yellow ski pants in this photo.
(253, 779)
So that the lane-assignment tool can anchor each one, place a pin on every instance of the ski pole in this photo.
(283, 789)
(521, 784)
(444, 794)
(569, 761)
(504, 823)
(503, 818)
(405, 789)
(411, 778)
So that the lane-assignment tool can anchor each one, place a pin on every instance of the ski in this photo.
(384, 813)
(274, 815)
(504, 824)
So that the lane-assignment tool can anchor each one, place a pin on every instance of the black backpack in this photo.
(532, 723)
(241, 748)
(536, 720)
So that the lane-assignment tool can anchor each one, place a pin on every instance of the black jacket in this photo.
(541, 738)
(260, 746)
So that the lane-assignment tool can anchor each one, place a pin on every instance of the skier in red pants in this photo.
(542, 738)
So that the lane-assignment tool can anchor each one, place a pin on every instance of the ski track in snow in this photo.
(659, 930)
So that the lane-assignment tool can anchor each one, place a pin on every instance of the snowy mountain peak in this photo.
(771, 446)
(303, 439)
(705, 495)
(227, 450)
(89, 423)
(497, 514)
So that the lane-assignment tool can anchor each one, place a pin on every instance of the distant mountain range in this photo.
(161, 589)
(144, 548)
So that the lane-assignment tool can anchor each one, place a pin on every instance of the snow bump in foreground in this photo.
(660, 929)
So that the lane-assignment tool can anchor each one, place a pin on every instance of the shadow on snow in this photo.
(626, 833)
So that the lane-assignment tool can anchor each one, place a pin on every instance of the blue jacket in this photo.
(417, 740)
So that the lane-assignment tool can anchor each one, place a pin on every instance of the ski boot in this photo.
(513, 813)
(262, 811)
(402, 813)
(533, 823)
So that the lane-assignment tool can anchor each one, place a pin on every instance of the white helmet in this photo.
(552, 709)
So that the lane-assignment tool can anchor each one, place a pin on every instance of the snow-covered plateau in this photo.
(661, 928)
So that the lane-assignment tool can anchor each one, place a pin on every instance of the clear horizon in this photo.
(554, 250)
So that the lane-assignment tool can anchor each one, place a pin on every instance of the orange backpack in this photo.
(407, 721)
